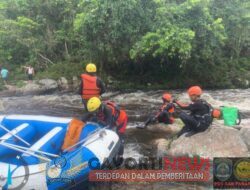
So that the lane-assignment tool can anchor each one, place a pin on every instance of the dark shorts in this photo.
(30, 76)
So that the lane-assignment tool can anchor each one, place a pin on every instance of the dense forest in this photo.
(172, 43)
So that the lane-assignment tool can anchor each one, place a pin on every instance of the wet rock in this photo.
(63, 83)
(10, 87)
(245, 135)
(30, 88)
(161, 146)
(163, 128)
(215, 142)
(43, 86)
(48, 84)
(245, 123)
(241, 82)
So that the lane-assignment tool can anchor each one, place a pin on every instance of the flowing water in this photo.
(138, 105)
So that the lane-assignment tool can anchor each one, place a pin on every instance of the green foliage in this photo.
(166, 42)
(58, 70)
(108, 29)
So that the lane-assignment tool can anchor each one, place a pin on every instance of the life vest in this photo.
(73, 133)
(119, 116)
(89, 88)
(170, 111)
(115, 109)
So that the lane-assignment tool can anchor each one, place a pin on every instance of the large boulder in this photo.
(63, 83)
(163, 128)
(215, 142)
(30, 88)
(43, 86)
(245, 123)
(245, 135)
(48, 84)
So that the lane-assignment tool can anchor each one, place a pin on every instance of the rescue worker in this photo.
(165, 113)
(107, 114)
(91, 85)
(200, 116)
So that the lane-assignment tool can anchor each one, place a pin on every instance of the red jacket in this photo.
(119, 117)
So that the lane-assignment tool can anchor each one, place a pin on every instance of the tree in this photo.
(108, 29)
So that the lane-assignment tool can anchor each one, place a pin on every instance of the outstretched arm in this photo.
(108, 116)
(182, 106)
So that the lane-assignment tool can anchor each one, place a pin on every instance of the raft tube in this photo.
(20, 170)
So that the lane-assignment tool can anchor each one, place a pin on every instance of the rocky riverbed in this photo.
(49, 97)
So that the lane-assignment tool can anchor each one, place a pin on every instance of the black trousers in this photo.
(192, 123)
(164, 118)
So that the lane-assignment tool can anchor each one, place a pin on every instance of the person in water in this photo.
(200, 116)
(91, 85)
(165, 113)
(107, 114)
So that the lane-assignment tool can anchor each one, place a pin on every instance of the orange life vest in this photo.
(170, 111)
(119, 116)
(89, 88)
(73, 134)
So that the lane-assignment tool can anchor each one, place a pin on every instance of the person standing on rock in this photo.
(91, 85)
(165, 113)
(4, 75)
(30, 72)
(200, 116)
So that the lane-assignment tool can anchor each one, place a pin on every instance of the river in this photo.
(138, 105)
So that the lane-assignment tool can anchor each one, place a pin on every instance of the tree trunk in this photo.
(66, 50)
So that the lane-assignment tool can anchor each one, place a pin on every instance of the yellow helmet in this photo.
(93, 104)
(91, 68)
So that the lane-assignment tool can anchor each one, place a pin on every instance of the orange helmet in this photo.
(195, 90)
(167, 97)
(216, 113)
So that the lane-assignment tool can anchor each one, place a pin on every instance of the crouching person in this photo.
(167, 110)
(200, 116)
(107, 114)
(165, 113)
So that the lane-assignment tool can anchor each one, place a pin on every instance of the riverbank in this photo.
(39, 87)
(117, 80)
(64, 85)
